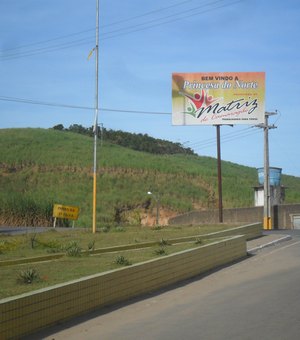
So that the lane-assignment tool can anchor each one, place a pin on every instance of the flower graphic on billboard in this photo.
(197, 101)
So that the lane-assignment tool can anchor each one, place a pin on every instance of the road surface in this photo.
(258, 298)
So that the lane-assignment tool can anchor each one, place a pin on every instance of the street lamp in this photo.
(156, 197)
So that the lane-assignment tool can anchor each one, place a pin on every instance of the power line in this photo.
(206, 145)
(92, 29)
(146, 13)
(115, 33)
(46, 41)
(42, 50)
(212, 140)
(149, 24)
(69, 106)
(197, 145)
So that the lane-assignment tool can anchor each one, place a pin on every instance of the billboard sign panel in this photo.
(218, 98)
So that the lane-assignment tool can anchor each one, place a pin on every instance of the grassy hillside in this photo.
(40, 167)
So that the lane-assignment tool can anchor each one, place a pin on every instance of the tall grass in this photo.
(40, 167)
(25, 211)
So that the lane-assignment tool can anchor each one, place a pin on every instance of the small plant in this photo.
(163, 242)
(120, 229)
(91, 245)
(198, 241)
(157, 227)
(160, 251)
(51, 246)
(28, 276)
(105, 229)
(33, 240)
(8, 245)
(121, 260)
(54, 250)
(73, 249)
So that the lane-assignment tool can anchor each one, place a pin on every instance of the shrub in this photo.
(160, 251)
(121, 260)
(163, 242)
(73, 249)
(28, 276)
(91, 245)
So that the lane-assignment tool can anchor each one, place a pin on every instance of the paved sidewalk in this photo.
(266, 241)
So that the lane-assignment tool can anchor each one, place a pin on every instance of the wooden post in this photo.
(219, 175)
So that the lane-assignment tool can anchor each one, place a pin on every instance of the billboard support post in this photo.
(219, 174)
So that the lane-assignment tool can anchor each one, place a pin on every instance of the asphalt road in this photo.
(26, 230)
(258, 298)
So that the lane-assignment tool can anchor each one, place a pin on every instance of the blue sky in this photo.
(44, 47)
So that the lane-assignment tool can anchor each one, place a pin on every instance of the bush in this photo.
(160, 251)
(73, 249)
(91, 245)
(121, 260)
(163, 242)
(28, 276)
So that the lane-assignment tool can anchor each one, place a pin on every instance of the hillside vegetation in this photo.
(40, 167)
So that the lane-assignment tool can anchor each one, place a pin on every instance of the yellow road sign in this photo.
(65, 211)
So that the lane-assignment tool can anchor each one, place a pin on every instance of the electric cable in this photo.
(68, 106)
(111, 34)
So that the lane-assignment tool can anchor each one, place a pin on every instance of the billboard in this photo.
(218, 98)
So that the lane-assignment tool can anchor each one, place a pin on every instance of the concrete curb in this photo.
(272, 243)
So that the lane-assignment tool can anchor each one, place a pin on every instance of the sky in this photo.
(46, 77)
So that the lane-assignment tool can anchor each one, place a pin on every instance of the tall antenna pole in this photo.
(96, 120)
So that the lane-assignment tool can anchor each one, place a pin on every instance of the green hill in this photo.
(40, 167)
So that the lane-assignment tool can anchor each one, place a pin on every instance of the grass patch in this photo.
(40, 167)
(74, 267)
(53, 241)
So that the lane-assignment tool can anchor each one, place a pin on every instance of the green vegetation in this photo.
(21, 278)
(28, 275)
(40, 167)
(139, 142)
(122, 261)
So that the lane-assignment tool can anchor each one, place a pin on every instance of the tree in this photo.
(59, 127)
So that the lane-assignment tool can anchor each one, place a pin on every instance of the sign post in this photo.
(64, 211)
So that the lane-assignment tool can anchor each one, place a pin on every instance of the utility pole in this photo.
(96, 119)
(267, 222)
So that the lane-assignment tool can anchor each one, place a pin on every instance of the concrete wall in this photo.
(237, 215)
(30, 312)
(281, 216)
